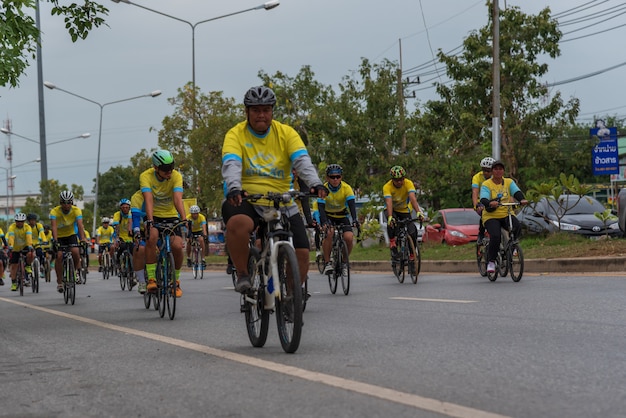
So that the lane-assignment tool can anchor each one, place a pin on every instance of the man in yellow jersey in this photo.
(66, 222)
(138, 216)
(162, 190)
(104, 239)
(334, 213)
(198, 231)
(258, 156)
(20, 239)
(399, 193)
(477, 181)
(39, 237)
(122, 224)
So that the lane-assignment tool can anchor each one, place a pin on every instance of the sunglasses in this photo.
(166, 168)
(486, 170)
(334, 177)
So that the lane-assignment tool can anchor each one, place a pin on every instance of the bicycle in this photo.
(46, 266)
(84, 262)
(408, 258)
(107, 267)
(197, 259)
(20, 273)
(510, 258)
(319, 257)
(125, 271)
(340, 258)
(69, 274)
(35, 267)
(275, 277)
(165, 270)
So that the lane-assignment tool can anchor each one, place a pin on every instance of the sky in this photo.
(141, 51)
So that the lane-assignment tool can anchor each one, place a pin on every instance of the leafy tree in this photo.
(19, 34)
(453, 132)
(51, 188)
(117, 183)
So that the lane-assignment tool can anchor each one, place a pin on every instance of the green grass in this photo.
(561, 245)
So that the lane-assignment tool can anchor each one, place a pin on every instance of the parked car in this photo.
(621, 209)
(576, 216)
(453, 227)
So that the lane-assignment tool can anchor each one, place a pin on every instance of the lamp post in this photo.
(7, 132)
(269, 5)
(52, 86)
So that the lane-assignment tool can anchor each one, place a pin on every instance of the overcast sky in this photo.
(142, 51)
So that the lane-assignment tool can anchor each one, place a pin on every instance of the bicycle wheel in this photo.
(66, 281)
(253, 304)
(84, 268)
(72, 282)
(414, 265)
(319, 260)
(289, 304)
(147, 297)
(200, 261)
(160, 274)
(503, 262)
(34, 283)
(516, 261)
(481, 258)
(195, 266)
(122, 277)
(402, 262)
(345, 268)
(332, 280)
(170, 285)
(105, 265)
(47, 269)
(20, 276)
(305, 292)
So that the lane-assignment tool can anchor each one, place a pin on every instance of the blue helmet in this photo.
(124, 202)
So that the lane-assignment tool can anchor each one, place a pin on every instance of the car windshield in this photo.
(573, 206)
(466, 217)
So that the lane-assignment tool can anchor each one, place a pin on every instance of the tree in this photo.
(117, 183)
(19, 34)
(453, 132)
(51, 188)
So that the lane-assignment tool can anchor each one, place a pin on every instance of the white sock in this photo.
(141, 278)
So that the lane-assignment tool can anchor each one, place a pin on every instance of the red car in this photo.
(453, 227)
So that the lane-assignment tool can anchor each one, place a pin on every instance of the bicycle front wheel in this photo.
(71, 283)
(47, 269)
(516, 262)
(171, 286)
(289, 304)
(414, 264)
(161, 276)
(253, 304)
(319, 260)
(481, 259)
(123, 280)
(36, 267)
(345, 269)
(20, 277)
(195, 262)
(106, 265)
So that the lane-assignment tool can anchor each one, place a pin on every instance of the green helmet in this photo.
(397, 172)
(162, 157)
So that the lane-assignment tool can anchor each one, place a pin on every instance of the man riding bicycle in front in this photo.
(333, 210)
(198, 232)
(494, 191)
(258, 156)
(20, 238)
(399, 193)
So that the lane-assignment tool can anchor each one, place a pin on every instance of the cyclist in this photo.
(258, 155)
(399, 194)
(498, 189)
(334, 212)
(477, 182)
(104, 239)
(138, 214)
(198, 231)
(66, 222)
(85, 246)
(162, 190)
(20, 238)
(122, 224)
(3, 256)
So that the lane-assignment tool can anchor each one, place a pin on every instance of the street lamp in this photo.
(51, 86)
(269, 5)
(7, 132)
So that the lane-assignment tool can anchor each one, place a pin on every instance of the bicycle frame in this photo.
(166, 277)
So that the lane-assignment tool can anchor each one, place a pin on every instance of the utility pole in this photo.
(495, 121)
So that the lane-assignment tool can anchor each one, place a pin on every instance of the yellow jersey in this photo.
(67, 224)
(20, 238)
(162, 192)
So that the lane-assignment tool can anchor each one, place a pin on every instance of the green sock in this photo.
(151, 270)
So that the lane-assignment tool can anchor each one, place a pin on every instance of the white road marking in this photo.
(434, 300)
(391, 395)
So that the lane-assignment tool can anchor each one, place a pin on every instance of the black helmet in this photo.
(31, 216)
(258, 96)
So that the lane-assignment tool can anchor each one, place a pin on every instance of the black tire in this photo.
(289, 307)
(85, 267)
(305, 292)
(123, 280)
(20, 277)
(481, 259)
(345, 260)
(35, 267)
(71, 283)
(195, 266)
(516, 260)
(128, 267)
(106, 265)
(257, 317)
(47, 269)
(402, 263)
(414, 266)
(66, 280)
(161, 289)
(171, 287)
(332, 277)
(147, 297)
(319, 260)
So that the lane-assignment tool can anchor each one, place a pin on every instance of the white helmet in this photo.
(487, 162)
(194, 209)
(20, 217)
(106, 220)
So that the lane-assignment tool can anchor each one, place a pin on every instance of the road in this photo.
(454, 345)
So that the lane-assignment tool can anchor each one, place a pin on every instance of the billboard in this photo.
(605, 155)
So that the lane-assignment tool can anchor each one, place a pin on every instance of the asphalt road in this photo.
(454, 345)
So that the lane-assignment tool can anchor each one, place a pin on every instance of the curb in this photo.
(538, 265)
